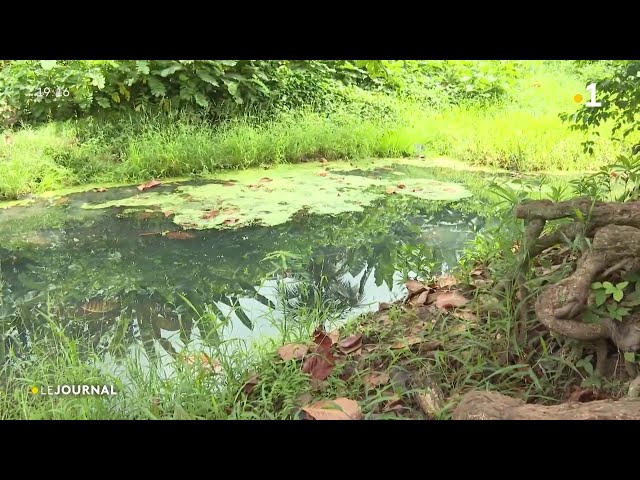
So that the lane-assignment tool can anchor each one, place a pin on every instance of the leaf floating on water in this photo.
(148, 185)
(211, 214)
(292, 351)
(100, 189)
(339, 409)
(231, 221)
(450, 299)
(180, 235)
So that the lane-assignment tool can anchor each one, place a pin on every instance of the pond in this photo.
(239, 255)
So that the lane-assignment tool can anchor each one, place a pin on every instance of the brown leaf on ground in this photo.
(377, 378)
(382, 306)
(203, 361)
(407, 342)
(318, 385)
(351, 344)
(339, 409)
(210, 214)
(180, 235)
(293, 351)
(304, 399)
(391, 190)
(100, 189)
(168, 213)
(348, 371)
(479, 272)
(322, 340)
(466, 315)
(231, 221)
(319, 365)
(401, 186)
(251, 383)
(148, 185)
(415, 287)
(393, 403)
(323, 173)
(8, 140)
(229, 183)
(265, 180)
(230, 210)
(450, 299)
(334, 335)
(447, 281)
(586, 395)
(420, 299)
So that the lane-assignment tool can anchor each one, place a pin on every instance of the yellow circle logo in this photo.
(35, 390)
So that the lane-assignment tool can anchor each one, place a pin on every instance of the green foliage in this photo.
(619, 94)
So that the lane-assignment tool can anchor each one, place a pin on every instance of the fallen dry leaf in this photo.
(420, 299)
(391, 190)
(339, 409)
(319, 365)
(100, 189)
(382, 306)
(203, 361)
(334, 335)
(393, 403)
(406, 342)
(447, 281)
(324, 161)
(148, 185)
(322, 340)
(250, 384)
(230, 211)
(229, 183)
(293, 351)
(168, 213)
(377, 378)
(323, 173)
(401, 186)
(351, 344)
(8, 139)
(265, 180)
(179, 235)
(231, 221)
(304, 399)
(415, 287)
(211, 214)
(466, 315)
(450, 299)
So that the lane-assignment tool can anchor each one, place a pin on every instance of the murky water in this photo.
(120, 278)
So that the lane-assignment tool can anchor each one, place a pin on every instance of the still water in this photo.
(125, 280)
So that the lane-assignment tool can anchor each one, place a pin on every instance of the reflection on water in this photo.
(119, 282)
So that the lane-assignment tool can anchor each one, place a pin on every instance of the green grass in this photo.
(522, 132)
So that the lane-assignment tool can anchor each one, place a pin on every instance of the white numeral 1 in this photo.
(592, 102)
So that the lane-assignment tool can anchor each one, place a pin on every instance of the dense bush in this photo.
(36, 91)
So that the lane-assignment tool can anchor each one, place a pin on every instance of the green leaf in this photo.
(590, 317)
(617, 295)
(601, 297)
(142, 66)
(596, 285)
(157, 87)
(201, 100)
(204, 76)
(103, 102)
(48, 64)
(170, 70)
(629, 357)
(97, 79)
(622, 285)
